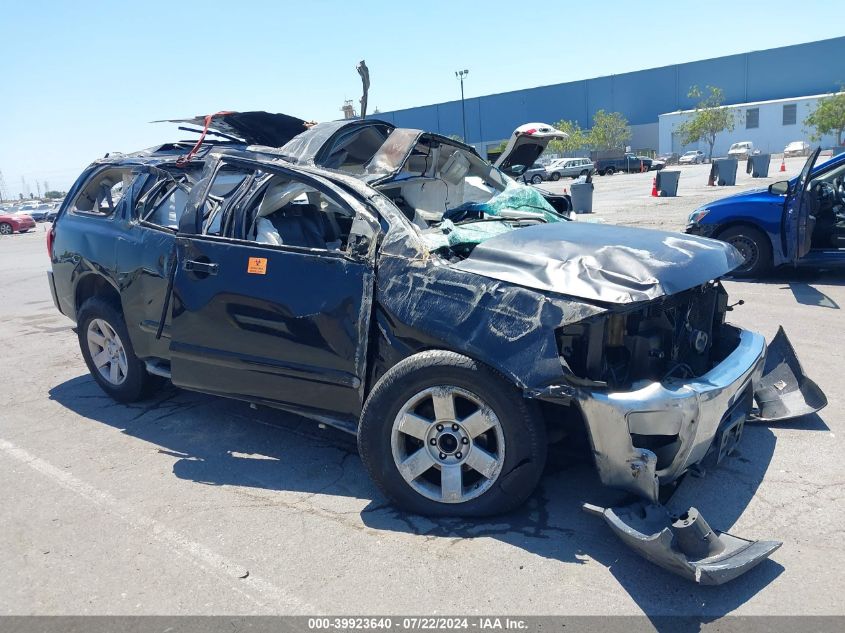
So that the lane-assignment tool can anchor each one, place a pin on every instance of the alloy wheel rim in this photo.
(447, 444)
(5, 229)
(107, 351)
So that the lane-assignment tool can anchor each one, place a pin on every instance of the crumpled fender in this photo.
(684, 545)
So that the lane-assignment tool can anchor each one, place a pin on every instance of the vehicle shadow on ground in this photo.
(222, 442)
(802, 285)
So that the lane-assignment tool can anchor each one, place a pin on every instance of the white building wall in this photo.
(771, 136)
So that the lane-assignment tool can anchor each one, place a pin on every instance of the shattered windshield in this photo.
(466, 226)
(452, 195)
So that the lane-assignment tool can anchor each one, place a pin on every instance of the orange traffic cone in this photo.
(654, 193)
(783, 164)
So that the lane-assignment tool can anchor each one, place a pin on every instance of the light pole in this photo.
(460, 74)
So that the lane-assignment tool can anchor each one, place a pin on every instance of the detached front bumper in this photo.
(684, 421)
(684, 416)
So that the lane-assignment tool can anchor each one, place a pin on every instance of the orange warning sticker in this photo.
(257, 266)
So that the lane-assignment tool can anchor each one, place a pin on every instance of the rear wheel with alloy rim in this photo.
(108, 352)
(755, 248)
(6, 228)
(444, 435)
(536, 179)
(555, 176)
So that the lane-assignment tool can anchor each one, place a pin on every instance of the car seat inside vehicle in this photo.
(295, 214)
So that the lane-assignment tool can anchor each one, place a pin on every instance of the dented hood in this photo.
(611, 264)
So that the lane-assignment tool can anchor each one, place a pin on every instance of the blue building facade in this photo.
(777, 73)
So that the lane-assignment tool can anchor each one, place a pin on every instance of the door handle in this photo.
(206, 268)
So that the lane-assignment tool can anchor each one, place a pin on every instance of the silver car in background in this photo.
(797, 148)
(535, 174)
(571, 167)
(692, 157)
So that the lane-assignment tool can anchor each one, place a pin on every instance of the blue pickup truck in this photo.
(798, 222)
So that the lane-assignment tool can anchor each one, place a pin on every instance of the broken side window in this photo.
(102, 193)
(228, 181)
(162, 199)
(286, 212)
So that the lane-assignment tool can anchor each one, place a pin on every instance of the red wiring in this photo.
(182, 161)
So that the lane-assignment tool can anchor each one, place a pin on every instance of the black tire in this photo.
(6, 228)
(754, 246)
(137, 383)
(521, 426)
(536, 179)
(609, 171)
(584, 172)
(555, 176)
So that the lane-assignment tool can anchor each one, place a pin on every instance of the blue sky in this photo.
(83, 78)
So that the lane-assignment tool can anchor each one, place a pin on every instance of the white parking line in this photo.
(264, 594)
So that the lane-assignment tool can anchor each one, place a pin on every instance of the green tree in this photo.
(54, 194)
(828, 117)
(575, 140)
(709, 118)
(499, 148)
(610, 131)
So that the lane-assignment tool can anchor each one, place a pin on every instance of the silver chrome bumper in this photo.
(689, 410)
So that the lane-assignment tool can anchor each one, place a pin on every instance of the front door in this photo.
(261, 316)
(797, 220)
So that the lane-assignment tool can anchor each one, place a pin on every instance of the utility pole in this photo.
(2, 187)
(23, 186)
(460, 74)
(38, 187)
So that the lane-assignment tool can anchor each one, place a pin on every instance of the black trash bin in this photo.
(582, 197)
(667, 183)
(724, 171)
(758, 165)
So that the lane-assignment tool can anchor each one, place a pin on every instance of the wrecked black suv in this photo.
(393, 284)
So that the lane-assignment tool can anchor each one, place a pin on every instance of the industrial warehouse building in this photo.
(766, 80)
(770, 125)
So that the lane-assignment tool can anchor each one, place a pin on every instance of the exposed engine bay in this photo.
(679, 336)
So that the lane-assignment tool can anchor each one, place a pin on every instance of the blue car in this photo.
(800, 222)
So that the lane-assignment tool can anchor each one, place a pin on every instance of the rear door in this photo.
(271, 322)
(798, 221)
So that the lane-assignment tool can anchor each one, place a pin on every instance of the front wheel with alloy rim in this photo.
(755, 248)
(443, 435)
(108, 352)
(536, 179)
